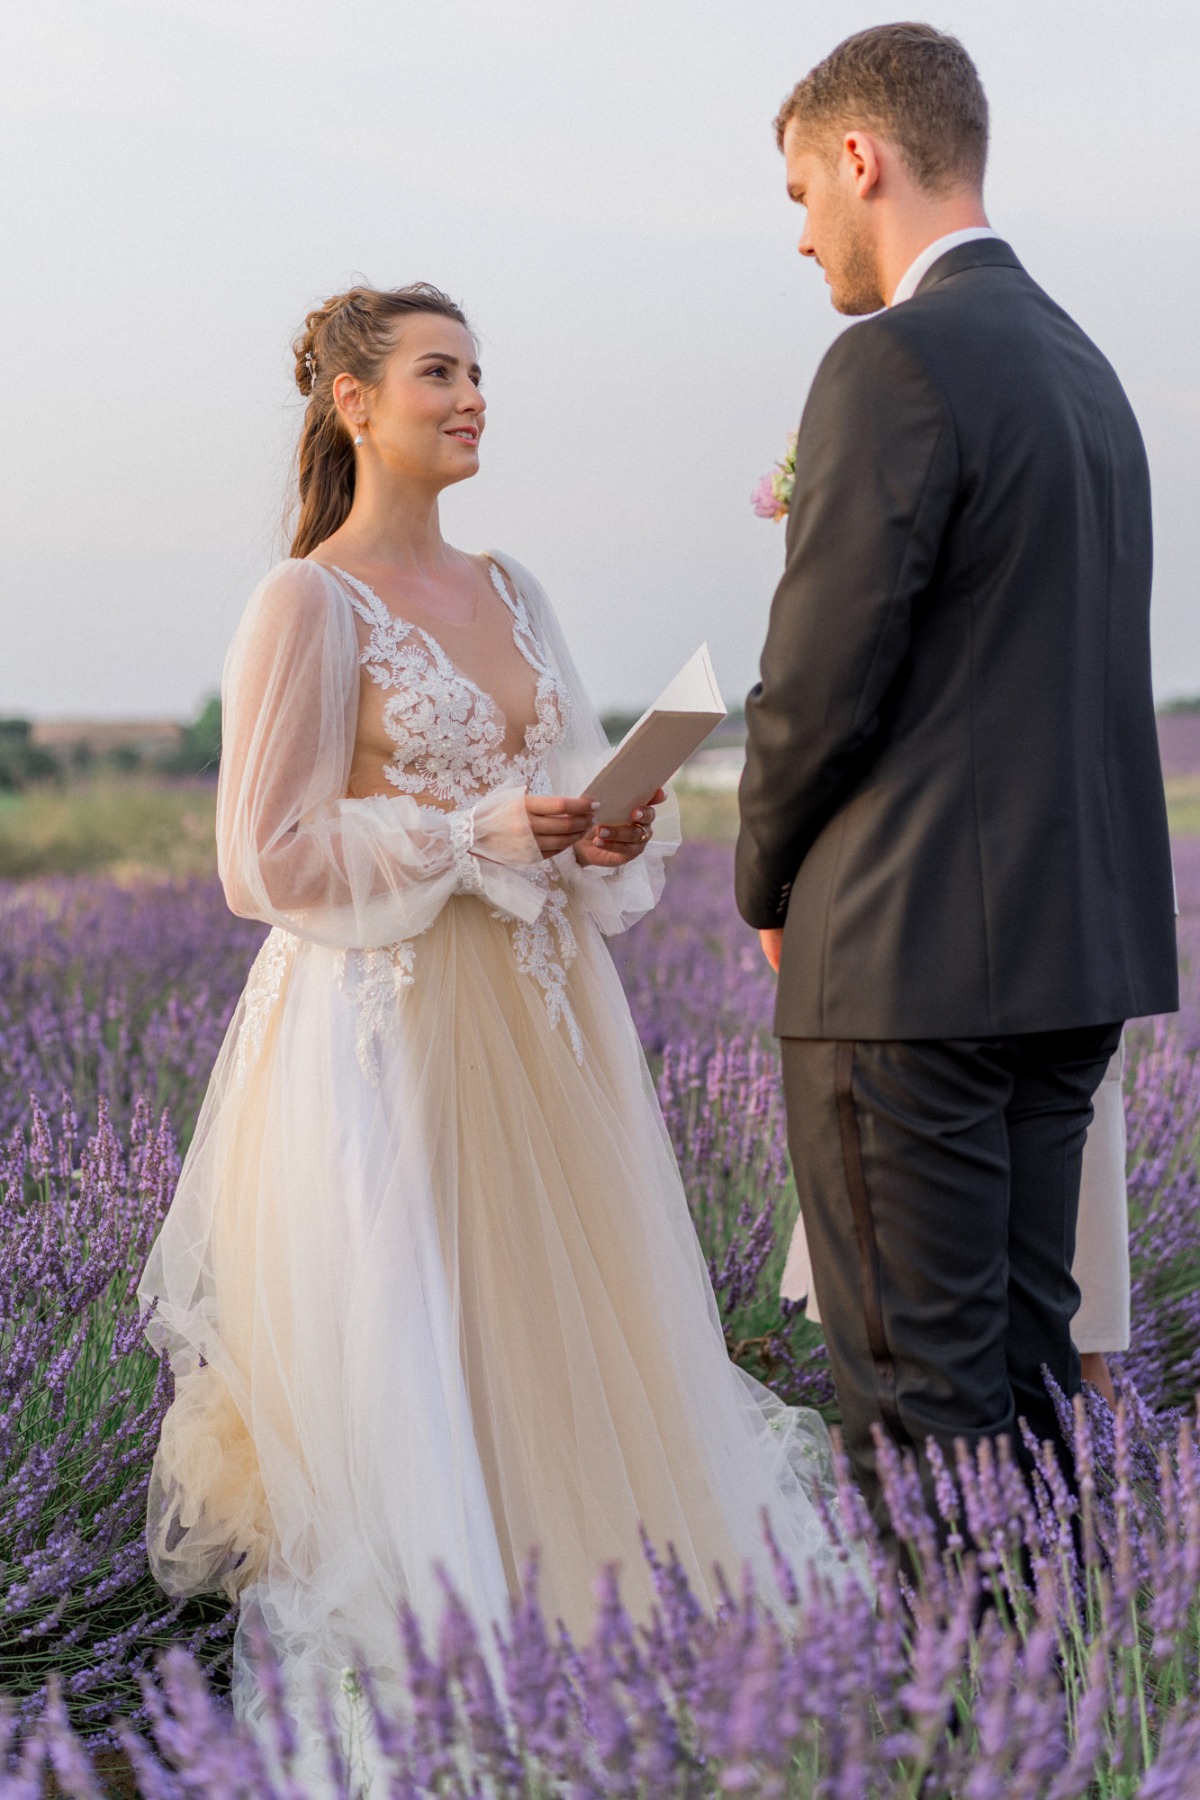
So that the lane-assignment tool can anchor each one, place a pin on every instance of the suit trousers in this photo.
(939, 1185)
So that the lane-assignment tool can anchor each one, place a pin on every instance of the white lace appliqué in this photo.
(462, 844)
(264, 985)
(448, 736)
(545, 951)
(375, 981)
(447, 731)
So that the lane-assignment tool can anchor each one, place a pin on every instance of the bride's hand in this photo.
(557, 823)
(611, 846)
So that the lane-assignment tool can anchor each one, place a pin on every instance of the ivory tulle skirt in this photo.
(431, 1244)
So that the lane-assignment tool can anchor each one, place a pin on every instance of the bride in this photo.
(429, 1285)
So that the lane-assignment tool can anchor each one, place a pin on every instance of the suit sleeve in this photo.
(876, 474)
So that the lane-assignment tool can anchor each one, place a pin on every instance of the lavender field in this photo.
(1078, 1678)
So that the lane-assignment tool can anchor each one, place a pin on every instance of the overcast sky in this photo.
(598, 182)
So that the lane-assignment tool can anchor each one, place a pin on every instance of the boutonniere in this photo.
(773, 495)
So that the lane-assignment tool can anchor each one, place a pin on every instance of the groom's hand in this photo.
(772, 943)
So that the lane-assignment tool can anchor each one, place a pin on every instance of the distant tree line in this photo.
(24, 763)
(200, 751)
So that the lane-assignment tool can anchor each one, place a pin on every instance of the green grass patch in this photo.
(715, 815)
(710, 816)
(110, 825)
(125, 825)
(1183, 805)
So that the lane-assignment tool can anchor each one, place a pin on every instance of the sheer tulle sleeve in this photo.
(614, 897)
(292, 849)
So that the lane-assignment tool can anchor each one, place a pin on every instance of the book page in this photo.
(664, 737)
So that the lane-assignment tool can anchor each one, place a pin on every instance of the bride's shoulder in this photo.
(297, 591)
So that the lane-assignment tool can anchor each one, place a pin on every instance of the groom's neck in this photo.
(911, 226)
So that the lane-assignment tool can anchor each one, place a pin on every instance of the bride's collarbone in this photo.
(455, 603)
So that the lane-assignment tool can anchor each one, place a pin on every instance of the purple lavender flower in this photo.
(112, 1004)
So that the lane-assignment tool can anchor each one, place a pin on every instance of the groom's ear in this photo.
(860, 161)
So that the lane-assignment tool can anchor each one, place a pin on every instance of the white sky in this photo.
(597, 181)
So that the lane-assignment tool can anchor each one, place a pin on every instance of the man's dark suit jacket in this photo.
(952, 791)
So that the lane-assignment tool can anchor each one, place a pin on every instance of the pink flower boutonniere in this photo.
(773, 495)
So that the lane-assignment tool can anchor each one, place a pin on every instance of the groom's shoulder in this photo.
(973, 332)
(865, 343)
(873, 357)
(920, 333)
(982, 313)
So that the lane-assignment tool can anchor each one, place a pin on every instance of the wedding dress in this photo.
(429, 1285)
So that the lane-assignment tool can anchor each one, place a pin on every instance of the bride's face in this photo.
(425, 418)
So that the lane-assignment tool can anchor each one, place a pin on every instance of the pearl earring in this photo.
(358, 439)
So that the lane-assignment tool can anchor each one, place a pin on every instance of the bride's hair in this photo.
(352, 334)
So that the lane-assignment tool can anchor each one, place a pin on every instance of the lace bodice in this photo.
(449, 736)
(367, 874)
(447, 731)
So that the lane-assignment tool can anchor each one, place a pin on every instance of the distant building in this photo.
(151, 738)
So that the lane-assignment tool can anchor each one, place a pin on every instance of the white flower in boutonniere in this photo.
(773, 495)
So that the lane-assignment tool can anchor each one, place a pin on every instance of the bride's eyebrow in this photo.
(444, 356)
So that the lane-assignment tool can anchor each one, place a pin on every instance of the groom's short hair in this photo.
(910, 83)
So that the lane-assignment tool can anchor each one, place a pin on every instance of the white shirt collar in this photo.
(911, 279)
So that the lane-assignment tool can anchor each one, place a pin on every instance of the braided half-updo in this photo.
(352, 334)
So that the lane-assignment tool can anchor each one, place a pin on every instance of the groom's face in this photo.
(836, 233)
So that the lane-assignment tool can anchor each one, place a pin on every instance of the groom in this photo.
(953, 834)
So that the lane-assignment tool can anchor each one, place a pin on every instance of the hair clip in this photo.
(310, 363)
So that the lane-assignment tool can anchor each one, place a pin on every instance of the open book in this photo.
(663, 738)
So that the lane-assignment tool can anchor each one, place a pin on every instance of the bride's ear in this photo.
(349, 399)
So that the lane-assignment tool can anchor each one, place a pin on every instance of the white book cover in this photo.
(662, 740)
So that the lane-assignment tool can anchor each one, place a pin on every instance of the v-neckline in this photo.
(497, 582)
(364, 587)
(496, 576)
